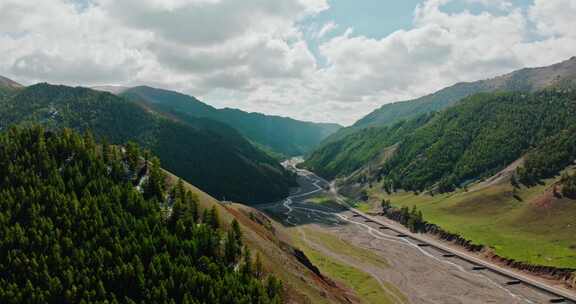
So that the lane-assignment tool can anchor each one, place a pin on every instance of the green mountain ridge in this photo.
(481, 136)
(207, 153)
(527, 79)
(342, 147)
(343, 157)
(281, 135)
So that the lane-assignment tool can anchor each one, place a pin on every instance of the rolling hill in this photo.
(496, 169)
(207, 153)
(280, 135)
(358, 149)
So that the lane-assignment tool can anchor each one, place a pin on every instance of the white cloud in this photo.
(444, 48)
(327, 28)
(501, 4)
(253, 54)
(555, 18)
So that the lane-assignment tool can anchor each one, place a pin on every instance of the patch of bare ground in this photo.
(546, 199)
(503, 176)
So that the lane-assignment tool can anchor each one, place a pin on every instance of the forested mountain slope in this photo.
(209, 154)
(280, 134)
(496, 169)
(88, 223)
(526, 80)
(343, 157)
(482, 135)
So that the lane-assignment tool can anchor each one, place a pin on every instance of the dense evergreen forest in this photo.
(206, 153)
(280, 135)
(549, 157)
(342, 157)
(484, 134)
(88, 223)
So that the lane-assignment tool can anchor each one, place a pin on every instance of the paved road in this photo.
(316, 185)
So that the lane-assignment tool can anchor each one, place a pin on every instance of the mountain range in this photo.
(525, 80)
(491, 162)
(207, 153)
(281, 136)
(351, 148)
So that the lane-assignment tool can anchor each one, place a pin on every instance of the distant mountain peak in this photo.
(278, 134)
(5, 82)
(526, 79)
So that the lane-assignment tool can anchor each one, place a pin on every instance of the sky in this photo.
(314, 60)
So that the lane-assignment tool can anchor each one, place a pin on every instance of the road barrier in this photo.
(563, 295)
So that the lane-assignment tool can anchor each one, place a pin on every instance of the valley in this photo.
(287, 152)
(380, 259)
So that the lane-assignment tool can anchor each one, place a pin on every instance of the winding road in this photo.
(425, 270)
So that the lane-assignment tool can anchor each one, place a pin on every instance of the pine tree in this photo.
(214, 218)
(258, 267)
(247, 269)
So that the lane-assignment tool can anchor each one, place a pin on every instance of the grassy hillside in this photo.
(280, 134)
(472, 140)
(526, 224)
(207, 153)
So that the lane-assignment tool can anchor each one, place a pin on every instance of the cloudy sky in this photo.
(318, 60)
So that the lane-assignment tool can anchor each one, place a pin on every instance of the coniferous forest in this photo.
(206, 153)
(82, 222)
(484, 134)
